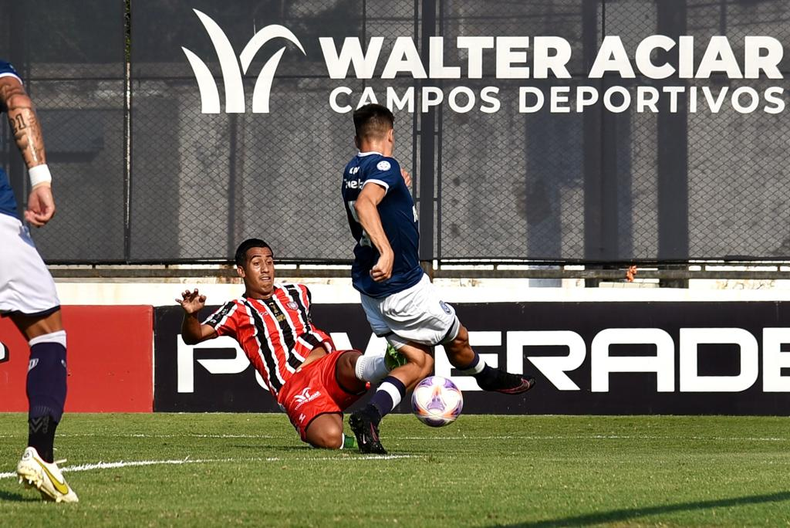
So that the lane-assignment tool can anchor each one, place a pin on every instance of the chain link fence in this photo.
(72, 62)
(153, 178)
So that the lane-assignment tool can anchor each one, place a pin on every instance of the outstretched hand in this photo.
(192, 301)
(40, 206)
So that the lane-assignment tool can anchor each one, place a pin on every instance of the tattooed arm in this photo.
(24, 123)
(27, 135)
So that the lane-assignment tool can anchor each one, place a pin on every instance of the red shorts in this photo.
(312, 391)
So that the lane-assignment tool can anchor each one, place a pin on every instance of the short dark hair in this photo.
(241, 251)
(373, 121)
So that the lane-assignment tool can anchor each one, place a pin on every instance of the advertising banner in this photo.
(559, 131)
(110, 358)
(588, 358)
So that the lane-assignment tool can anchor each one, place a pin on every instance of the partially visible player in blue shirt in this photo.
(7, 201)
(28, 295)
(399, 300)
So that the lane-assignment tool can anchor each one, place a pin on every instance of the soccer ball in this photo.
(436, 401)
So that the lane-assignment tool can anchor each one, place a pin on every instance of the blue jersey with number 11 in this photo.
(7, 201)
(398, 218)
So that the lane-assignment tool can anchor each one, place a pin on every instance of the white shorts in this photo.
(26, 286)
(416, 314)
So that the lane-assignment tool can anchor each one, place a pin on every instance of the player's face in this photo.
(258, 272)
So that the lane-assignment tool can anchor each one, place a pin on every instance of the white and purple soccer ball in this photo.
(436, 401)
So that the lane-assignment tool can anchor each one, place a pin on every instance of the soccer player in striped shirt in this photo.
(311, 380)
(28, 295)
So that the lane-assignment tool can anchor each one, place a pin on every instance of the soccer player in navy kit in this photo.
(28, 295)
(398, 298)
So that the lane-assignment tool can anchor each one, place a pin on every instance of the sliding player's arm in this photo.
(192, 332)
(367, 211)
(27, 135)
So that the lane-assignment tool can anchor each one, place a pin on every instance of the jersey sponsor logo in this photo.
(305, 397)
(354, 184)
(232, 71)
(383, 165)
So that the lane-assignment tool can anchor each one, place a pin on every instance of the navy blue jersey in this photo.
(7, 201)
(398, 218)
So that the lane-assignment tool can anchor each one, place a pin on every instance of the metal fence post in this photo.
(427, 149)
(592, 147)
(673, 197)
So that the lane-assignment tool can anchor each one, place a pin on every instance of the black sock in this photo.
(41, 435)
(387, 396)
(479, 370)
(488, 376)
(46, 391)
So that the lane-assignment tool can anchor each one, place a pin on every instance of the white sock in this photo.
(393, 392)
(371, 368)
(476, 367)
(58, 337)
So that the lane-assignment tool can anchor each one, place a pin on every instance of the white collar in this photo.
(363, 154)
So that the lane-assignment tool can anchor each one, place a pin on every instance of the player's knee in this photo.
(333, 442)
(348, 360)
(330, 436)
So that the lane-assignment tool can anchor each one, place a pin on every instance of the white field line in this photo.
(443, 438)
(593, 437)
(178, 462)
(144, 435)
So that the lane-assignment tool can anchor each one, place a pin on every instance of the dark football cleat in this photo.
(507, 383)
(366, 429)
(524, 385)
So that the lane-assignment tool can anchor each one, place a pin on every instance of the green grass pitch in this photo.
(249, 469)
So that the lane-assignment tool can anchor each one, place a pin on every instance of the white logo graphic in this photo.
(3, 353)
(675, 365)
(32, 364)
(383, 165)
(231, 72)
(305, 397)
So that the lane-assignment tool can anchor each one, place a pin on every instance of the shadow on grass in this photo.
(17, 497)
(636, 513)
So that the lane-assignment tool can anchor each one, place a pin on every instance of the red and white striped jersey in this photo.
(276, 333)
